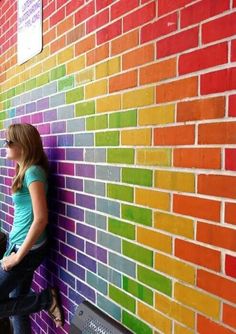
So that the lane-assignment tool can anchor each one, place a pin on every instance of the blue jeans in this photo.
(16, 298)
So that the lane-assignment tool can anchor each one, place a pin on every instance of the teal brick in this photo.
(96, 282)
(137, 253)
(120, 155)
(30, 84)
(155, 280)
(109, 138)
(123, 119)
(121, 228)
(66, 83)
(109, 241)
(42, 80)
(58, 72)
(122, 265)
(122, 298)
(136, 214)
(85, 108)
(108, 206)
(138, 290)
(123, 193)
(135, 324)
(96, 122)
(109, 274)
(139, 176)
(109, 307)
(75, 95)
(95, 219)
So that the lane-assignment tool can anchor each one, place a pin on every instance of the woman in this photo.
(27, 240)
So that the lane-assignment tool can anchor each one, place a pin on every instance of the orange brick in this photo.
(138, 57)
(177, 90)
(174, 135)
(125, 42)
(206, 326)
(85, 45)
(197, 254)
(158, 71)
(201, 109)
(49, 36)
(229, 315)
(123, 81)
(98, 54)
(217, 285)
(153, 199)
(75, 34)
(217, 235)
(65, 25)
(230, 213)
(217, 133)
(197, 207)
(208, 158)
(58, 44)
(217, 185)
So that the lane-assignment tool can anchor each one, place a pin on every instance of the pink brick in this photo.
(177, 43)
(220, 81)
(97, 21)
(123, 7)
(232, 106)
(159, 28)
(109, 32)
(233, 50)
(139, 17)
(100, 4)
(203, 58)
(166, 6)
(73, 5)
(57, 17)
(84, 13)
(219, 28)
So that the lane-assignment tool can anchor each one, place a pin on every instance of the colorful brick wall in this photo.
(135, 101)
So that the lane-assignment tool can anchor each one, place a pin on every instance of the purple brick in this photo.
(67, 278)
(60, 234)
(96, 252)
(75, 242)
(86, 231)
(50, 141)
(66, 196)
(75, 184)
(56, 206)
(86, 291)
(57, 154)
(85, 201)
(74, 212)
(25, 119)
(43, 104)
(76, 270)
(74, 154)
(76, 297)
(67, 251)
(67, 224)
(58, 180)
(58, 127)
(43, 129)
(85, 170)
(86, 262)
(65, 140)
(37, 118)
(20, 111)
(30, 107)
(66, 168)
(50, 115)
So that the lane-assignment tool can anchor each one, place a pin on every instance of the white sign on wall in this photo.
(29, 34)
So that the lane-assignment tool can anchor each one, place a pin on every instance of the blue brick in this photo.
(75, 297)
(94, 187)
(75, 184)
(109, 307)
(74, 212)
(50, 115)
(96, 282)
(65, 140)
(58, 127)
(84, 139)
(76, 270)
(76, 125)
(75, 241)
(36, 94)
(50, 89)
(86, 291)
(123, 265)
(67, 278)
(27, 97)
(57, 100)
(107, 206)
(66, 112)
(109, 241)
(74, 154)
(95, 219)
(108, 173)
(109, 274)
(95, 155)
(86, 262)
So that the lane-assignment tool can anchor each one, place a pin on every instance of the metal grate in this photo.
(90, 320)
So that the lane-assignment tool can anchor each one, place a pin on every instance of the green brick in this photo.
(123, 119)
(58, 72)
(7, 104)
(2, 115)
(2, 126)
(75, 95)
(11, 93)
(120, 155)
(123, 193)
(136, 325)
(122, 298)
(142, 177)
(96, 122)
(42, 80)
(155, 280)
(121, 228)
(138, 290)
(66, 83)
(20, 89)
(109, 138)
(135, 214)
(3, 97)
(137, 253)
(85, 108)
(30, 84)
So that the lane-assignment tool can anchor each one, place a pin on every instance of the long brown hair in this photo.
(28, 138)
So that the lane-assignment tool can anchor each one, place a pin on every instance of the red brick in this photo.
(97, 21)
(201, 11)
(217, 133)
(139, 17)
(230, 159)
(197, 207)
(174, 135)
(234, 3)
(232, 105)
(100, 4)
(230, 213)
(84, 13)
(109, 32)
(216, 285)
(122, 7)
(73, 5)
(233, 50)
(198, 254)
(171, 5)
(159, 28)
(216, 235)
(230, 265)
(207, 326)
(203, 58)
(47, 11)
(177, 43)
(217, 185)
(219, 81)
(61, 3)
(57, 17)
(219, 28)
(229, 315)
(207, 158)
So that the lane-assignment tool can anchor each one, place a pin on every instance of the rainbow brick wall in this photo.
(135, 101)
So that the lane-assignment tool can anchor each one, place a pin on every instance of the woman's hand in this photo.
(8, 262)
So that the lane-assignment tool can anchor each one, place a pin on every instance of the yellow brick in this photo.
(138, 98)
(154, 239)
(84, 76)
(108, 68)
(153, 199)
(65, 55)
(75, 65)
(154, 318)
(109, 103)
(154, 157)
(175, 310)
(139, 137)
(15, 81)
(174, 224)
(1, 106)
(49, 63)
(97, 88)
(175, 181)
(182, 330)
(175, 268)
(36, 70)
(25, 75)
(198, 300)
(157, 115)
(44, 54)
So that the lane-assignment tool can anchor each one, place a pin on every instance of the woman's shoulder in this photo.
(35, 170)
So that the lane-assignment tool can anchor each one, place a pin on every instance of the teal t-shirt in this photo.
(23, 216)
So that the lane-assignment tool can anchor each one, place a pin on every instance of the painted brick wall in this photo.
(135, 101)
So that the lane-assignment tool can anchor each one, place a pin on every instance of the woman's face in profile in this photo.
(13, 150)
